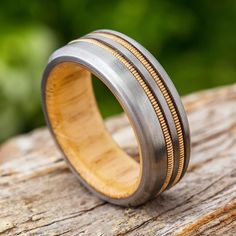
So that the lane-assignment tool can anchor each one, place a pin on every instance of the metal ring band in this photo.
(149, 99)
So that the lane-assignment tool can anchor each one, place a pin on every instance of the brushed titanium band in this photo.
(148, 97)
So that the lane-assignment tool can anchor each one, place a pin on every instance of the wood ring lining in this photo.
(79, 129)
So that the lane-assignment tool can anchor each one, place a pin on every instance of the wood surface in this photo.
(40, 196)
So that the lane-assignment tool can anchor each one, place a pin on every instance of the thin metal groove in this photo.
(152, 99)
(150, 68)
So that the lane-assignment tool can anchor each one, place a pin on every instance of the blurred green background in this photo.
(195, 41)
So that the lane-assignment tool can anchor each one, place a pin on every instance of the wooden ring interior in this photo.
(80, 132)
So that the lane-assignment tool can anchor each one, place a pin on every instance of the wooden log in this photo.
(40, 196)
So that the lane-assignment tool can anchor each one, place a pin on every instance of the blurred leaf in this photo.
(23, 54)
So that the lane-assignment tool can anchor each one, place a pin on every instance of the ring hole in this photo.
(80, 132)
(120, 129)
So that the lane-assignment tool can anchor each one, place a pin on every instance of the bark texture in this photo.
(40, 196)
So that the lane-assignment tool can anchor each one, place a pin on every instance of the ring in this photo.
(150, 101)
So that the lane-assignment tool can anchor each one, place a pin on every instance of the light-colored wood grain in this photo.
(78, 126)
(40, 196)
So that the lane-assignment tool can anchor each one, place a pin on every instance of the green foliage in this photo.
(23, 54)
(194, 40)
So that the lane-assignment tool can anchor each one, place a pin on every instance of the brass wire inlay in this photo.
(151, 97)
(164, 91)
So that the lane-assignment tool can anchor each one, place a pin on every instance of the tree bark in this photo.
(40, 196)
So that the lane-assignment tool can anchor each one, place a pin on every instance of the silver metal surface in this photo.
(171, 88)
(115, 75)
